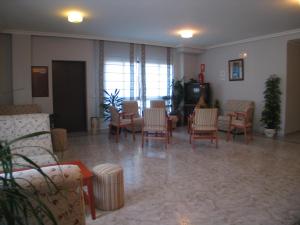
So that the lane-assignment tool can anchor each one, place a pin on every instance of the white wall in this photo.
(185, 65)
(47, 49)
(21, 68)
(190, 66)
(265, 57)
(293, 91)
(6, 95)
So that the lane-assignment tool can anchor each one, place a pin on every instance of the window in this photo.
(120, 74)
(157, 82)
(117, 76)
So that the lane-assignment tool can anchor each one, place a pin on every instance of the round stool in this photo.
(108, 186)
(59, 139)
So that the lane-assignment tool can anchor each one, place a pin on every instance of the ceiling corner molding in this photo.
(189, 50)
(82, 36)
(258, 38)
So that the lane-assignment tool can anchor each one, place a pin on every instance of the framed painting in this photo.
(39, 81)
(236, 69)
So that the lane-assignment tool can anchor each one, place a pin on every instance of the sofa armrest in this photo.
(64, 177)
(67, 204)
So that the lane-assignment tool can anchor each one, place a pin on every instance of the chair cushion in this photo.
(131, 107)
(154, 128)
(204, 128)
(123, 122)
(239, 123)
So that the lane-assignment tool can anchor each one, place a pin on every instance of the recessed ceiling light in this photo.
(186, 33)
(75, 17)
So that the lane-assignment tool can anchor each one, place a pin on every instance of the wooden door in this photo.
(69, 95)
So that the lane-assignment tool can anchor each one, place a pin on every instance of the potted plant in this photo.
(217, 105)
(177, 98)
(17, 203)
(111, 99)
(270, 116)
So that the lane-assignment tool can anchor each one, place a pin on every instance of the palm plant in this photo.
(19, 205)
(177, 94)
(271, 112)
(111, 99)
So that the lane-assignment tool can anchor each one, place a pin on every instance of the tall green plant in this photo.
(271, 113)
(177, 94)
(111, 99)
(19, 205)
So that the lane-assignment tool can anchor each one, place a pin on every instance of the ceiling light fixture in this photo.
(75, 17)
(186, 33)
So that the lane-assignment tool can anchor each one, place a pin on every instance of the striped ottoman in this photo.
(108, 186)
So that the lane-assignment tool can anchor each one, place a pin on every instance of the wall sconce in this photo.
(243, 55)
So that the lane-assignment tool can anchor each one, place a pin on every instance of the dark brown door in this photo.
(69, 95)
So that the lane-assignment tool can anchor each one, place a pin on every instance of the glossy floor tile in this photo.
(236, 184)
(293, 137)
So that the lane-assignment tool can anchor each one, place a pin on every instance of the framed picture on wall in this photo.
(236, 69)
(39, 81)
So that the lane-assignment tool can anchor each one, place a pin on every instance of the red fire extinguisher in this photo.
(201, 74)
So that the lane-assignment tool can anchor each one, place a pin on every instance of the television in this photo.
(193, 91)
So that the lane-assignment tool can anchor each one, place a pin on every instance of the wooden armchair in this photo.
(131, 107)
(204, 125)
(241, 121)
(155, 125)
(171, 119)
(118, 121)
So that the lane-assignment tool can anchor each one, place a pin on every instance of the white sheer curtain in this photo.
(156, 74)
(140, 72)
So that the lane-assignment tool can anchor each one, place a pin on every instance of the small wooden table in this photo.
(87, 177)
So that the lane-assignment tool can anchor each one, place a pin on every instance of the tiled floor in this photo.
(236, 184)
(293, 137)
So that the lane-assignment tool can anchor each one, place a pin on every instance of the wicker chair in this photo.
(155, 125)
(204, 125)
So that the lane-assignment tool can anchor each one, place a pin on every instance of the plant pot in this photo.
(270, 132)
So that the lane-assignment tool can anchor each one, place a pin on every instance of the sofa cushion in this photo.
(237, 106)
(15, 126)
(67, 204)
(40, 160)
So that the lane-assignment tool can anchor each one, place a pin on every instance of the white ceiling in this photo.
(155, 21)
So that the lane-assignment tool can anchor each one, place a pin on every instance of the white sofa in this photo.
(234, 106)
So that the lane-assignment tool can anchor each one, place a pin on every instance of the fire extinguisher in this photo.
(201, 78)
(201, 74)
